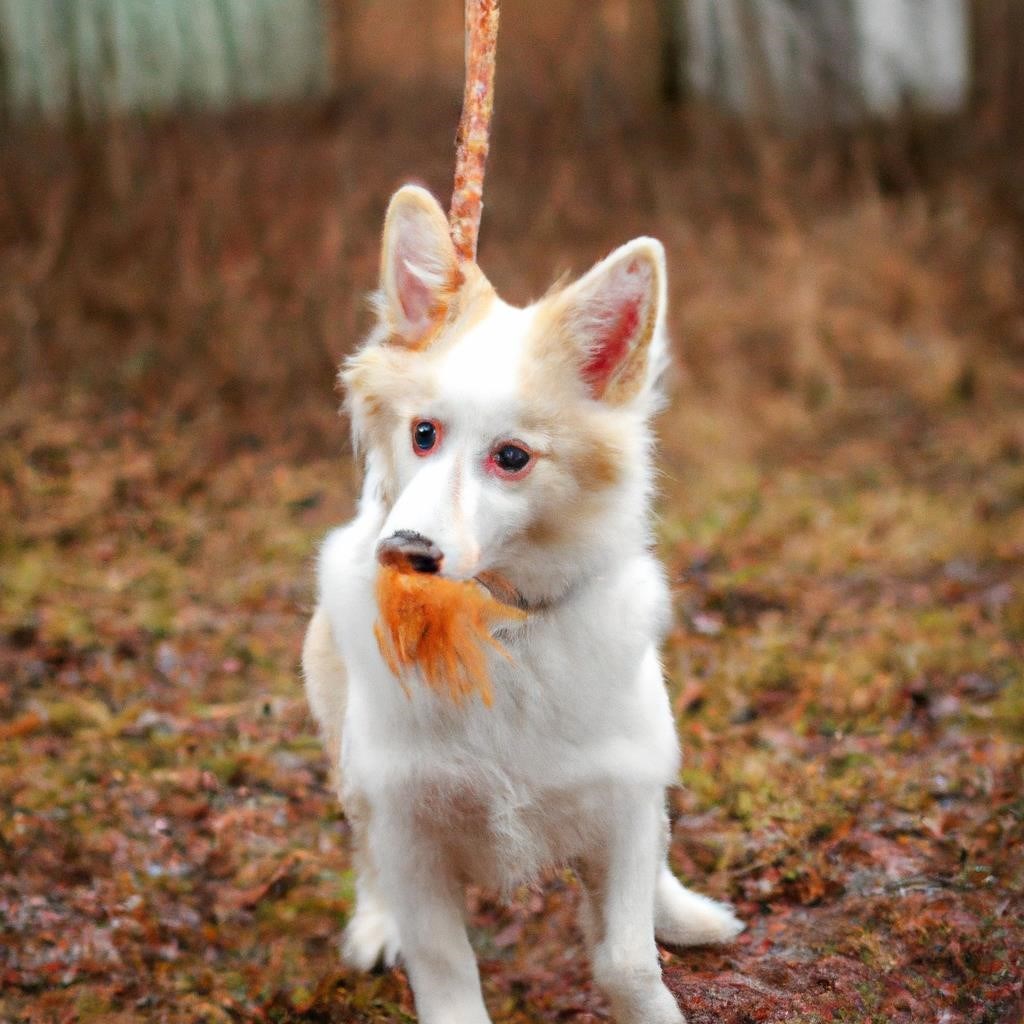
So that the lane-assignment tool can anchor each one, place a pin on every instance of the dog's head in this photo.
(506, 442)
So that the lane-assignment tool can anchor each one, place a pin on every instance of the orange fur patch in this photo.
(442, 628)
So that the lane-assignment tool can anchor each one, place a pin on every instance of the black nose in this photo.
(410, 552)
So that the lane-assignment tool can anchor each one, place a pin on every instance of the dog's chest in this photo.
(500, 830)
(504, 790)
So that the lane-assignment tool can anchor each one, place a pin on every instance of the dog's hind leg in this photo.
(686, 918)
(326, 688)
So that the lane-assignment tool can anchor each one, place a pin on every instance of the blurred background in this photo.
(191, 196)
(192, 189)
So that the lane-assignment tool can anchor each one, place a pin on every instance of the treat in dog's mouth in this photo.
(442, 628)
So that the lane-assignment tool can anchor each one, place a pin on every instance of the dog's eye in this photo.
(510, 458)
(425, 434)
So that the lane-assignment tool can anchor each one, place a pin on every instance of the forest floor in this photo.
(846, 665)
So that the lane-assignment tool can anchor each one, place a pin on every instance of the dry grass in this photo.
(218, 268)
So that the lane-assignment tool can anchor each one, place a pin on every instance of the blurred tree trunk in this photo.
(672, 23)
(818, 60)
(91, 58)
(998, 32)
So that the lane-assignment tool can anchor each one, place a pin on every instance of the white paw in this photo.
(634, 986)
(663, 1010)
(686, 918)
(655, 1007)
(370, 939)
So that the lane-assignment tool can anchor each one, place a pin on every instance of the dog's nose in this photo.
(408, 551)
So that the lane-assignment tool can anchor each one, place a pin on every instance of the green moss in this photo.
(1008, 710)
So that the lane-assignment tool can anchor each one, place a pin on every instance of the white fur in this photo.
(571, 762)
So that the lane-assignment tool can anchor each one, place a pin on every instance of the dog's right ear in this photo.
(419, 271)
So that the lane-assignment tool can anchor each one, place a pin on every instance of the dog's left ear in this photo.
(609, 318)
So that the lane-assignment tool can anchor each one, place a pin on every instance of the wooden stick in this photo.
(473, 139)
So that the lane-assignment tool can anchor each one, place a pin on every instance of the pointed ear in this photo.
(419, 271)
(609, 319)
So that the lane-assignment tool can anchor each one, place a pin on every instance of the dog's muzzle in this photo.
(408, 551)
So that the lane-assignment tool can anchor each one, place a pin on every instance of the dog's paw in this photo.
(686, 918)
(662, 1009)
(633, 984)
(370, 940)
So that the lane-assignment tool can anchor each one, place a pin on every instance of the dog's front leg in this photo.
(620, 881)
(427, 901)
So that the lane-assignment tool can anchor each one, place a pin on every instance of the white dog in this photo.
(510, 446)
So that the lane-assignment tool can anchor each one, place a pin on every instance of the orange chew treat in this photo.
(440, 627)
(474, 127)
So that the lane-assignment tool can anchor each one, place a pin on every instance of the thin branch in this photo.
(474, 127)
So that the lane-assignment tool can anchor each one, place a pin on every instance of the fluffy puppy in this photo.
(521, 721)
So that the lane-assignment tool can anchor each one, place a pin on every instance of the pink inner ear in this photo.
(612, 344)
(414, 294)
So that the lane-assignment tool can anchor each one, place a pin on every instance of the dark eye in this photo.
(511, 458)
(424, 436)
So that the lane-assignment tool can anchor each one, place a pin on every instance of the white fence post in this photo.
(105, 57)
(827, 60)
